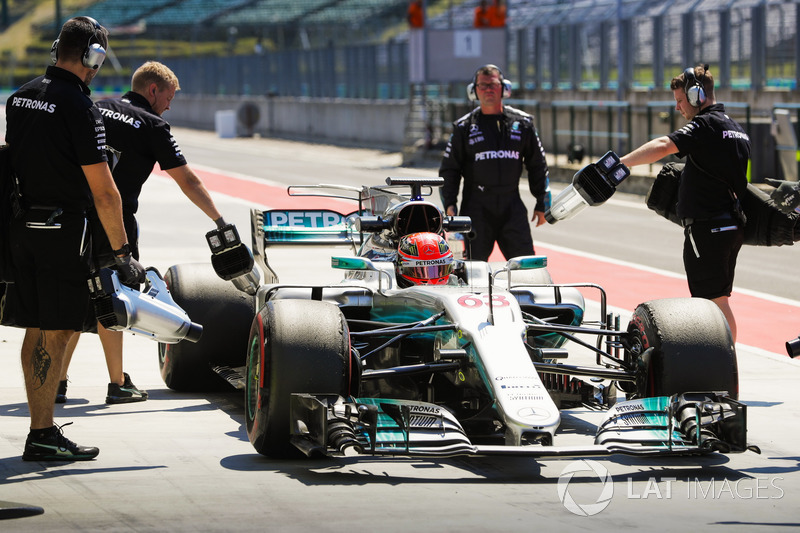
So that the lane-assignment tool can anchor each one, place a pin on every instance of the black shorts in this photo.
(710, 249)
(50, 291)
(102, 253)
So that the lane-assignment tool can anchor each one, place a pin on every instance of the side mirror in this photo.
(360, 263)
(370, 223)
(457, 224)
(526, 262)
(523, 262)
(353, 263)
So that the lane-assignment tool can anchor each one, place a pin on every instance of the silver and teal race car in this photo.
(481, 366)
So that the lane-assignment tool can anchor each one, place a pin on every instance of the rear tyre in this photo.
(682, 345)
(295, 346)
(225, 314)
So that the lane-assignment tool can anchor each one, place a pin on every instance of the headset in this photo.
(473, 95)
(695, 93)
(93, 55)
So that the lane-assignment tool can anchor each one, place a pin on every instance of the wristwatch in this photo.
(125, 250)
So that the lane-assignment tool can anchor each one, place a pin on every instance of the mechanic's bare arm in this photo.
(650, 152)
(192, 186)
(107, 202)
(538, 176)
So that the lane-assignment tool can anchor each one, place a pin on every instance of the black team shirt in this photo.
(53, 129)
(141, 138)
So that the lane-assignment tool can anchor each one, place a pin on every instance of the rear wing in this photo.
(298, 226)
(324, 226)
(303, 226)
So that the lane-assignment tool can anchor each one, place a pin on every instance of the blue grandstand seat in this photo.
(189, 12)
(274, 12)
(111, 13)
(349, 11)
(526, 13)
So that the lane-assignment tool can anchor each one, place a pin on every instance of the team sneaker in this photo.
(51, 445)
(125, 393)
(61, 395)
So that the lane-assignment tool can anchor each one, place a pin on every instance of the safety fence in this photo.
(576, 130)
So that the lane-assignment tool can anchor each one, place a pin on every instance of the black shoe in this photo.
(61, 395)
(51, 445)
(125, 393)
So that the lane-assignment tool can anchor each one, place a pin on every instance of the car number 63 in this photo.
(472, 301)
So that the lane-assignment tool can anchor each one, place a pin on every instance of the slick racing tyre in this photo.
(295, 346)
(225, 314)
(682, 345)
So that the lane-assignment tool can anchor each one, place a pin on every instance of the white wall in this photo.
(335, 120)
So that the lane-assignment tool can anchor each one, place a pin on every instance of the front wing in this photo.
(686, 424)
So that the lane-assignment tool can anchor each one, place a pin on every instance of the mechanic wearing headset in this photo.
(714, 177)
(488, 148)
(57, 140)
(138, 137)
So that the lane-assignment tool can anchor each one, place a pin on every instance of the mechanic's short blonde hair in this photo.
(154, 72)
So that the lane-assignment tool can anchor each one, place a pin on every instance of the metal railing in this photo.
(618, 124)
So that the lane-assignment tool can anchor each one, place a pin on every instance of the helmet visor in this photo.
(426, 272)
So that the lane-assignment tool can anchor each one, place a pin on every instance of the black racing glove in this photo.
(786, 194)
(130, 270)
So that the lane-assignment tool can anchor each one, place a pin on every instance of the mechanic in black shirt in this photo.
(488, 148)
(138, 137)
(714, 177)
(57, 142)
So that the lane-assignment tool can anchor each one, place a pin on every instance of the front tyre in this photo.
(295, 346)
(682, 345)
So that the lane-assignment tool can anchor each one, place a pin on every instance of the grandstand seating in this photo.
(274, 12)
(190, 12)
(460, 16)
(551, 43)
(523, 13)
(112, 13)
(351, 11)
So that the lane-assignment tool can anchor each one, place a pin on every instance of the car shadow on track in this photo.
(366, 470)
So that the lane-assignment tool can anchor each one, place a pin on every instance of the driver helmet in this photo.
(423, 259)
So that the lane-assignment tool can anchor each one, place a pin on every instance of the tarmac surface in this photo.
(182, 462)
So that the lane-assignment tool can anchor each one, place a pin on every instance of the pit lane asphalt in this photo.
(182, 462)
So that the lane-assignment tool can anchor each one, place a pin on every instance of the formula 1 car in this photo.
(474, 367)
